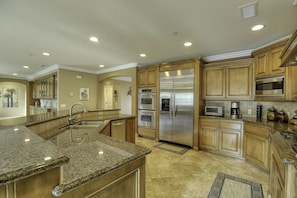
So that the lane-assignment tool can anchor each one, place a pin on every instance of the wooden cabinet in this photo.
(256, 144)
(221, 136)
(209, 134)
(106, 130)
(277, 175)
(214, 82)
(130, 131)
(228, 80)
(147, 76)
(45, 88)
(291, 83)
(268, 61)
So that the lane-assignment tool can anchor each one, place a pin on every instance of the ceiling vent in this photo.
(248, 10)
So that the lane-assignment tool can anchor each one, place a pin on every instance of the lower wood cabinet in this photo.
(256, 144)
(221, 136)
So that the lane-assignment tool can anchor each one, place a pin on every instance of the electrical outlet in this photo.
(63, 105)
(249, 111)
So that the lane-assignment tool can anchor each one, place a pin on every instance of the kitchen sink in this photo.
(90, 122)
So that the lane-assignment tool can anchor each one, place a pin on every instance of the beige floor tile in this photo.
(191, 175)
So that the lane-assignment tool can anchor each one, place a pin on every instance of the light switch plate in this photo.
(250, 111)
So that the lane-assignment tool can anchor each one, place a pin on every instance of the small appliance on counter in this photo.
(214, 110)
(271, 114)
(235, 112)
(282, 117)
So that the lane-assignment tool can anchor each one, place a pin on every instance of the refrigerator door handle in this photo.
(173, 105)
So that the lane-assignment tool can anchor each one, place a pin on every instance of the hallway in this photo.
(191, 175)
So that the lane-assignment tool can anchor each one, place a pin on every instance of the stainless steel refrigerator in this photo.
(177, 106)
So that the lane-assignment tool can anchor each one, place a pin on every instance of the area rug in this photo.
(174, 148)
(227, 186)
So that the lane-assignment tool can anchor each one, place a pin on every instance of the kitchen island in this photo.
(32, 166)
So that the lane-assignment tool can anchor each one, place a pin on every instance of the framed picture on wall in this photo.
(84, 93)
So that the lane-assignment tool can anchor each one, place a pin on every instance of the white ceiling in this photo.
(126, 28)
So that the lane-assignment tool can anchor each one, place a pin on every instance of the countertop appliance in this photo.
(235, 112)
(270, 87)
(214, 110)
(177, 106)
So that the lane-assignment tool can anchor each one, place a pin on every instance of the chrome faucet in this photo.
(71, 119)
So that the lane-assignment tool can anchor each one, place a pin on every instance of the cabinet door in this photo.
(261, 65)
(230, 141)
(275, 61)
(240, 82)
(130, 132)
(142, 78)
(209, 134)
(256, 149)
(152, 77)
(291, 83)
(276, 184)
(214, 83)
(208, 138)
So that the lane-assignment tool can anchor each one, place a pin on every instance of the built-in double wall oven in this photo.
(147, 108)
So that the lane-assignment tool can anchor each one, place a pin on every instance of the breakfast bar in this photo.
(92, 166)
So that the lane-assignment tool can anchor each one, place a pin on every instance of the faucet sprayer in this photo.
(72, 120)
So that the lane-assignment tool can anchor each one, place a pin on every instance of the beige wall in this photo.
(69, 89)
(131, 72)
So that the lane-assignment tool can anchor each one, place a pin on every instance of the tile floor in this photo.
(191, 175)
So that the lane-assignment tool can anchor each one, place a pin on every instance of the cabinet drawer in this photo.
(210, 122)
(256, 129)
(231, 125)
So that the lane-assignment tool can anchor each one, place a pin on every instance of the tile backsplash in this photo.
(289, 107)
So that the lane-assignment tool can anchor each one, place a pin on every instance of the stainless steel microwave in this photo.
(270, 87)
(214, 110)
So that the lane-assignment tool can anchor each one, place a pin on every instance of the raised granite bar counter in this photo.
(91, 160)
(24, 154)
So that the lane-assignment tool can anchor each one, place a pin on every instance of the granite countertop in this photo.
(93, 159)
(276, 128)
(23, 153)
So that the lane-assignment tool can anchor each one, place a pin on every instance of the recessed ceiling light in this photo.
(187, 44)
(101, 65)
(142, 55)
(45, 53)
(26, 67)
(94, 39)
(257, 27)
(15, 74)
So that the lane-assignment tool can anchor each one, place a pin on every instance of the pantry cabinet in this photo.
(291, 84)
(256, 144)
(147, 76)
(268, 61)
(221, 136)
(228, 80)
(45, 88)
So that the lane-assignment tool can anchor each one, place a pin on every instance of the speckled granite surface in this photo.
(92, 159)
(23, 153)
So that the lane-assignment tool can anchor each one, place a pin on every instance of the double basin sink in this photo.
(84, 124)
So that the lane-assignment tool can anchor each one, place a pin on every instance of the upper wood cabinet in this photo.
(147, 76)
(228, 80)
(268, 61)
(45, 88)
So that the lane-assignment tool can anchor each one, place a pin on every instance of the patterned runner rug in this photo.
(227, 186)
